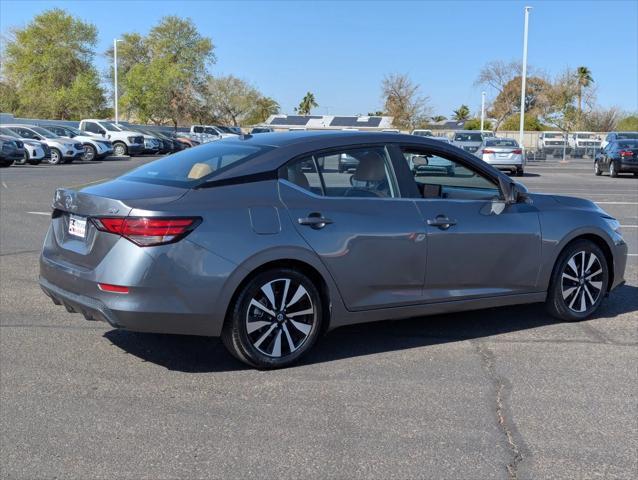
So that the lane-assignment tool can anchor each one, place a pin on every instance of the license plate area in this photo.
(77, 226)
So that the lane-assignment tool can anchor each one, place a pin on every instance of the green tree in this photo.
(462, 113)
(508, 101)
(230, 99)
(439, 118)
(531, 123)
(48, 67)
(559, 109)
(164, 75)
(475, 124)
(378, 113)
(263, 108)
(308, 102)
(584, 78)
(628, 124)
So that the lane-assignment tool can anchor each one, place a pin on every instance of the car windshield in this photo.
(224, 129)
(192, 166)
(627, 136)
(111, 127)
(74, 131)
(43, 132)
(585, 135)
(553, 135)
(501, 142)
(628, 144)
(468, 137)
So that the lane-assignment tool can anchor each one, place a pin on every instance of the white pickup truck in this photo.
(125, 142)
(551, 143)
(583, 143)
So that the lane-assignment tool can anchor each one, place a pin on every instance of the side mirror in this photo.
(513, 192)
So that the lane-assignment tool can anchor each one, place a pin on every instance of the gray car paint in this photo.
(378, 260)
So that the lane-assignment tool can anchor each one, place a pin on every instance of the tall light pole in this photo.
(115, 99)
(482, 110)
(524, 78)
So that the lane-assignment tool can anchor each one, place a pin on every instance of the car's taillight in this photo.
(148, 231)
(626, 153)
(517, 152)
(487, 152)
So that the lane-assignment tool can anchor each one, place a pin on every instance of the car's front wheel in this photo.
(597, 170)
(579, 282)
(274, 320)
(119, 149)
(90, 153)
(56, 157)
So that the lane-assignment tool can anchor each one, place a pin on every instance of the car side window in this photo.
(303, 173)
(362, 172)
(92, 127)
(437, 176)
(23, 132)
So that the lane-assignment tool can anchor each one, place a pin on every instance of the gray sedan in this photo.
(263, 241)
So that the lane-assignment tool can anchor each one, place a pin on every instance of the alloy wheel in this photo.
(582, 281)
(119, 150)
(280, 317)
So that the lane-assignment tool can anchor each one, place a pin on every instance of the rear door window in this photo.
(360, 172)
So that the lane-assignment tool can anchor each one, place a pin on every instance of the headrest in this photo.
(199, 170)
(371, 167)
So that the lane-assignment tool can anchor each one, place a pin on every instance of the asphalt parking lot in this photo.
(501, 393)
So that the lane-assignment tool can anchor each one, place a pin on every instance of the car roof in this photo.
(287, 145)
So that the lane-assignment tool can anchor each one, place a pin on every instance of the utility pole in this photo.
(524, 78)
(482, 110)
(115, 99)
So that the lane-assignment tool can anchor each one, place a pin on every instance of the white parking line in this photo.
(617, 203)
(40, 213)
(4, 185)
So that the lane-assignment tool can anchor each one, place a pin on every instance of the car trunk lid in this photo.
(78, 241)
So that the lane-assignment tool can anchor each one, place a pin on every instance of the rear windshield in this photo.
(501, 142)
(195, 165)
(553, 135)
(468, 137)
(627, 136)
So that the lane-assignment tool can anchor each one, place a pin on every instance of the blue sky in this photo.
(341, 50)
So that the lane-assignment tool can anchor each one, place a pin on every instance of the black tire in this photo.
(119, 149)
(23, 160)
(279, 338)
(613, 173)
(6, 163)
(35, 162)
(579, 282)
(520, 172)
(597, 170)
(56, 157)
(90, 153)
(635, 174)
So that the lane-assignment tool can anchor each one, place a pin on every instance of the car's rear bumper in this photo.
(629, 167)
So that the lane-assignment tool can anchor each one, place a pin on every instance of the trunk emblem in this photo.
(113, 210)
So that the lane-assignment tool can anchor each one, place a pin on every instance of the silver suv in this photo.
(63, 150)
(94, 148)
(468, 140)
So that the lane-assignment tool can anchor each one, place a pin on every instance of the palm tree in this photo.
(265, 107)
(438, 118)
(584, 78)
(463, 113)
(307, 104)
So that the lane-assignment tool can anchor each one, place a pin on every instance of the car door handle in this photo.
(442, 222)
(315, 220)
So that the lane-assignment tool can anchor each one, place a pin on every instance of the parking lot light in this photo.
(523, 77)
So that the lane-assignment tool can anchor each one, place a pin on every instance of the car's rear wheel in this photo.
(274, 320)
(56, 157)
(520, 172)
(612, 169)
(579, 282)
(597, 170)
(89, 153)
